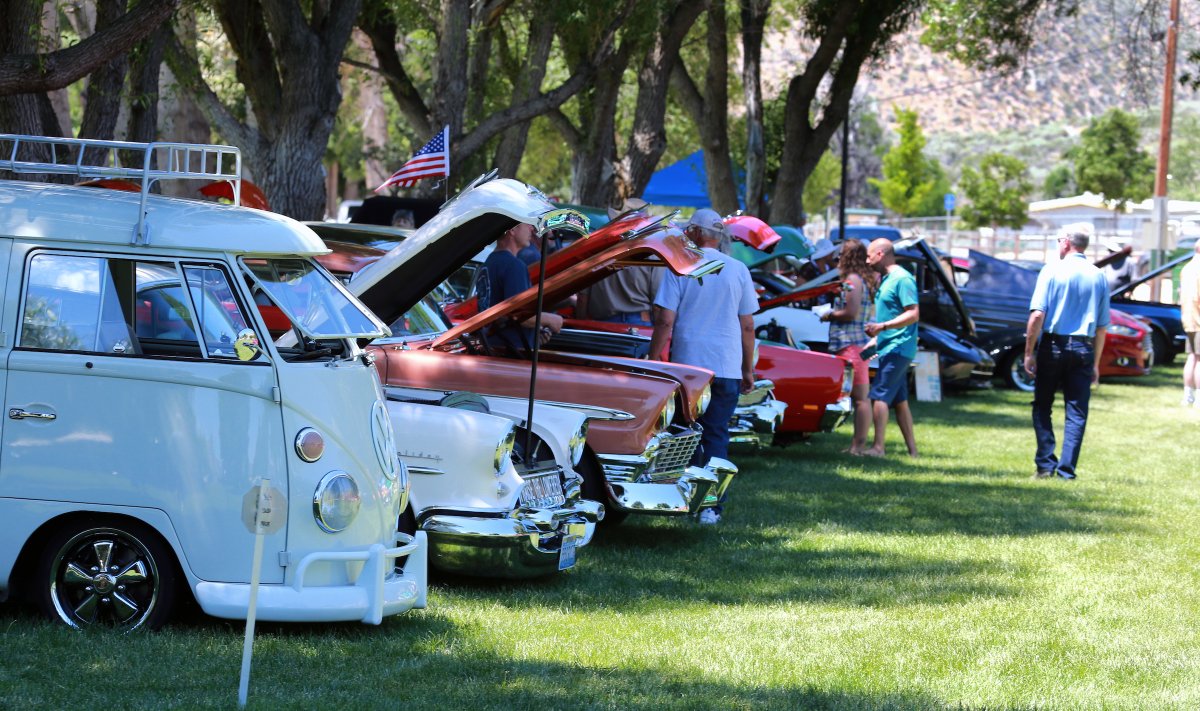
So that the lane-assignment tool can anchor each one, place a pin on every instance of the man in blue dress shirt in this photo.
(1070, 313)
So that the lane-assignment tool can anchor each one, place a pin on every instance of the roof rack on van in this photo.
(144, 162)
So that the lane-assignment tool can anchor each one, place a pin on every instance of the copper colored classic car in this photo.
(815, 386)
(643, 429)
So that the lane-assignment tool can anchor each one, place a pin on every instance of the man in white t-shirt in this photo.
(710, 324)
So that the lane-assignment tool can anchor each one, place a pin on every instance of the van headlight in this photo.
(705, 399)
(336, 501)
(577, 442)
(667, 416)
(504, 450)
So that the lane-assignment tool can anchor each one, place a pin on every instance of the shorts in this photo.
(891, 381)
(1191, 342)
(862, 375)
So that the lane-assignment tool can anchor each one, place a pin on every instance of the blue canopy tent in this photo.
(681, 184)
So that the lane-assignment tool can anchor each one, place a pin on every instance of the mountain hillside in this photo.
(1078, 68)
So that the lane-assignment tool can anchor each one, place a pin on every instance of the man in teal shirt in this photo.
(895, 334)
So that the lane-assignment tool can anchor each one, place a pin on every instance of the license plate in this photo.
(566, 554)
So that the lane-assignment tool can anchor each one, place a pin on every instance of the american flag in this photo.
(432, 161)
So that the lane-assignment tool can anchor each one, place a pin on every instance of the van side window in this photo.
(64, 301)
(126, 307)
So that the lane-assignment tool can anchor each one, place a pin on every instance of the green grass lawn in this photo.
(833, 582)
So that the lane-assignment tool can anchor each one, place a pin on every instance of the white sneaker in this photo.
(709, 517)
(1188, 400)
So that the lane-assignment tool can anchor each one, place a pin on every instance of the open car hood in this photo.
(474, 218)
(1128, 288)
(753, 232)
(667, 248)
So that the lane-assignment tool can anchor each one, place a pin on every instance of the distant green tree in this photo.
(820, 186)
(934, 204)
(997, 191)
(1060, 182)
(1109, 161)
(908, 178)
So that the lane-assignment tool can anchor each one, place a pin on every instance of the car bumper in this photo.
(379, 589)
(524, 544)
(754, 426)
(688, 492)
(836, 413)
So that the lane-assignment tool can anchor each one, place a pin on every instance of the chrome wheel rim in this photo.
(104, 577)
(1022, 380)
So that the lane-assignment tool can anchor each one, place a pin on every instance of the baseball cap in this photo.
(709, 220)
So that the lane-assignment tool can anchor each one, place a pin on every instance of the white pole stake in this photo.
(262, 521)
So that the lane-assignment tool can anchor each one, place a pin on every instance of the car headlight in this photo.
(667, 416)
(577, 443)
(504, 450)
(336, 501)
(1121, 330)
(705, 399)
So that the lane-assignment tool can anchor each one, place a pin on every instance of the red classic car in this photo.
(814, 385)
(643, 433)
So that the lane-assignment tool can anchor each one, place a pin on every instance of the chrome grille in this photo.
(674, 451)
(1147, 342)
(543, 489)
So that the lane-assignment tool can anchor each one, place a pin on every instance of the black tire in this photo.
(1014, 373)
(595, 487)
(138, 590)
(1163, 354)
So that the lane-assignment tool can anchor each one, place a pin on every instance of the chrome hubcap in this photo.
(104, 577)
(1023, 380)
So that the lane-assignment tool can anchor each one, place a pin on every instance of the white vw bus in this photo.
(140, 416)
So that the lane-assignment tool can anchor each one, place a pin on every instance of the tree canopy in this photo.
(909, 177)
(1109, 160)
(997, 192)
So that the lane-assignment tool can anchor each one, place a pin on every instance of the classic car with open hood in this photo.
(797, 392)
(642, 430)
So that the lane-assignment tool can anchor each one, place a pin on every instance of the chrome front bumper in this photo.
(522, 544)
(695, 488)
(378, 590)
(836, 413)
(754, 426)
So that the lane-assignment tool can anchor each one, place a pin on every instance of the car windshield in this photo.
(423, 319)
(312, 299)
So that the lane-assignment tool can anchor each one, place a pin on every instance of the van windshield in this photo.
(313, 300)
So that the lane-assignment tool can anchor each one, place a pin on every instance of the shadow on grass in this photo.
(367, 668)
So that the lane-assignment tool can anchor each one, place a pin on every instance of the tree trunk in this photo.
(102, 98)
(289, 65)
(754, 18)
(180, 118)
(527, 84)
(648, 139)
(25, 70)
(450, 99)
(372, 111)
(144, 77)
(710, 112)
(593, 163)
(26, 113)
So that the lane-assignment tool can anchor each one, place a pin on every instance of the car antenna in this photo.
(561, 219)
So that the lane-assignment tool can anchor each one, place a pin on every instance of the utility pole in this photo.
(845, 172)
(1161, 213)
